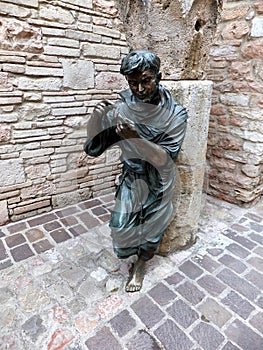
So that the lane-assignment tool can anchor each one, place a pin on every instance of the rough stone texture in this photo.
(235, 144)
(57, 60)
(190, 167)
(183, 46)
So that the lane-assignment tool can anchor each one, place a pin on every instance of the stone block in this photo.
(195, 96)
(4, 217)
(257, 27)
(5, 133)
(253, 49)
(12, 172)
(56, 14)
(43, 71)
(106, 80)
(78, 74)
(21, 36)
(39, 84)
(101, 51)
(61, 51)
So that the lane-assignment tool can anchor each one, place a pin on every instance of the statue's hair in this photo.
(140, 60)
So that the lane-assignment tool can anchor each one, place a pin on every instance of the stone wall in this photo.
(57, 59)
(235, 145)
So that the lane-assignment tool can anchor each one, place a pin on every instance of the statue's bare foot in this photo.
(134, 283)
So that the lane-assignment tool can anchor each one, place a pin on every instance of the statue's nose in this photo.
(140, 87)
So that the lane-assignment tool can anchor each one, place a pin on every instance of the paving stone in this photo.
(62, 213)
(237, 250)
(245, 242)
(253, 217)
(108, 261)
(77, 230)
(51, 226)
(60, 235)
(256, 227)
(162, 294)
(122, 323)
(5, 264)
(233, 263)
(257, 322)
(212, 285)
(21, 252)
(103, 339)
(73, 275)
(190, 292)
(2, 234)
(3, 253)
(239, 284)
(243, 336)
(99, 211)
(175, 279)
(214, 312)
(238, 304)
(215, 251)
(190, 269)
(69, 221)
(90, 291)
(18, 227)
(90, 204)
(7, 317)
(34, 234)
(172, 337)
(15, 240)
(182, 313)
(34, 327)
(40, 220)
(257, 263)
(207, 263)
(89, 220)
(105, 217)
(230, 346)
(207, 336)
(259, 251)
(256, 278)
(256, 237)
(42, 246)
(142, 340)
(239, 228)
(5, 295)
(147, 311)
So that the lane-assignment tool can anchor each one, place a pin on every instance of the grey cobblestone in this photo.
(62, 287)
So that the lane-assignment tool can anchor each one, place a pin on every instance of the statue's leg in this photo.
(137, 271)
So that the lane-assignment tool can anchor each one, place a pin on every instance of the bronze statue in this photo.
(149, 127)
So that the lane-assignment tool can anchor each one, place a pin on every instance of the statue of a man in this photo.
(149, 127)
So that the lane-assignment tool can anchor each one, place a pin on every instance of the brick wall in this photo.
(235, 145)
(57, 59)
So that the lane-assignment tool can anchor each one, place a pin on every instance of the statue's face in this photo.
(143, 84)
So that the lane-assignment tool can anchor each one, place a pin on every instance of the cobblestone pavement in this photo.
(61, 287)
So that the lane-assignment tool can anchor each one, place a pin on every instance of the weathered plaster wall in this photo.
(235, 145)
(57, 60)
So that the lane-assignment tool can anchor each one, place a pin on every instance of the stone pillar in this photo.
(195, 96)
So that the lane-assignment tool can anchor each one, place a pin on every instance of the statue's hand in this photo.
(126, 129)
(103, 108)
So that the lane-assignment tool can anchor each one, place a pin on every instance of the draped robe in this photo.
(143, 201)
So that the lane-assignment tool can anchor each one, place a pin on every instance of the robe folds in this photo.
(143, 201)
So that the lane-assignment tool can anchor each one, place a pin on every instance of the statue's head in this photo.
(141, 69)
